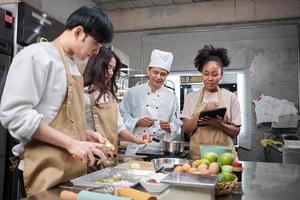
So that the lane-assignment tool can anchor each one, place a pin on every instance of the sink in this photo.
(290, 137)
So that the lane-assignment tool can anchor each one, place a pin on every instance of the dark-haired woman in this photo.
(102, 110)
(210, 62)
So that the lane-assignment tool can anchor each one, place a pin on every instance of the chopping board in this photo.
(144, 165)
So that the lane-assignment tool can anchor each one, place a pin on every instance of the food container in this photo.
(111, 177)
(168, 164)
(225, 187)
(214, 148)
(173, 147)
(154, 187)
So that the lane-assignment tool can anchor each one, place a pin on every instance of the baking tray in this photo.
(191, 180)
(129, 178)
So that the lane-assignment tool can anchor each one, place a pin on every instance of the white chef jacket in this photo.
(34, 90)
(140, 102)
(89, 116)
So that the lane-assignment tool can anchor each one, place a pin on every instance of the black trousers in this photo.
(21, 183)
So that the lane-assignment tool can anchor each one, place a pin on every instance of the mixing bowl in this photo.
(168, 164)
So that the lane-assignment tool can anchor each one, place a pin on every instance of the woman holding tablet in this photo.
(207, 130)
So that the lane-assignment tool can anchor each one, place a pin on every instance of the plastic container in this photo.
(214, 148)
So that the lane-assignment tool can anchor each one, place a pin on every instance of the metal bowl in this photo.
(167, 165)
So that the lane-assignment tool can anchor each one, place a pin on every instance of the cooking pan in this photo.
(173, 147)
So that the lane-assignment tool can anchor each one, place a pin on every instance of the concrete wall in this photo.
(204, 13)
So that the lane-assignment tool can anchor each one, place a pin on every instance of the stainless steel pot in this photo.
(173, 147)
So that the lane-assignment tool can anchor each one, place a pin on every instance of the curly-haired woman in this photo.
(210, 62)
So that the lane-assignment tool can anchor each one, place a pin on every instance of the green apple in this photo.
(204, 161)
(211, 156)
(227, 168)
(226, 159)
(225, 177)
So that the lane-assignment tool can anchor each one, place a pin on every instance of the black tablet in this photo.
(212, 113)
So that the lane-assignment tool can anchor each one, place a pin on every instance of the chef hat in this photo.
(161, 59)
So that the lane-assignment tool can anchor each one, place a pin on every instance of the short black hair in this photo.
(210, 53)
(94, 22)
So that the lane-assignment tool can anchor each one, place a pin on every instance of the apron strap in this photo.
(58, 45)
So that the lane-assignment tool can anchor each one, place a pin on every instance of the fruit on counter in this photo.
(186, 167)
(192, 170)
(203, 169)
(178, 169)
(213, 168)
(211, 156)
(196, 163)
(227, 168)
(134, 165)
(226, 159)
(225, 177)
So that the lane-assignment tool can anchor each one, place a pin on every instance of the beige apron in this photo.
(46, 165)
(208, 134)
(105, 119)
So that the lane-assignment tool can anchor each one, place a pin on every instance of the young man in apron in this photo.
(210, 62)
(42, 104)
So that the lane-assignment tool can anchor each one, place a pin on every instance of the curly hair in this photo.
(209, 53)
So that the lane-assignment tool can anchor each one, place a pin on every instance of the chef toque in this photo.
(161, 59)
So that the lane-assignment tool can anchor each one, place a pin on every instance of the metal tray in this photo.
(295, 144)
(191, 180)
(129, 178)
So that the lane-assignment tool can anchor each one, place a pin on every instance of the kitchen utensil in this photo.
(168, 163)
(173, 147)
(114, 176)
(135, 194)
(155, 139)
(154, 187)
(160, 169)
(87, 195)
(76, 188)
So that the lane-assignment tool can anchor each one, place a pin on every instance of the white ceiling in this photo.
(109, 5)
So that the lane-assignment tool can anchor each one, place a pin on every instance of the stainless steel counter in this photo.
(266, 181)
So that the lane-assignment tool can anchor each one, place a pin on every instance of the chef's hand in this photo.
(215, 122)
(144, 138)
(86, 151)
(96, 137)
(145, 122)
(211, 105)
(165, 125)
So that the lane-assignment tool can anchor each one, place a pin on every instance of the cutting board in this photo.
(144, 165)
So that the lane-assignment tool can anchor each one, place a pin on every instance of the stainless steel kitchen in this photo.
(149, 99)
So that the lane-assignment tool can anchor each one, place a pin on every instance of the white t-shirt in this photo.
(230, 100)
